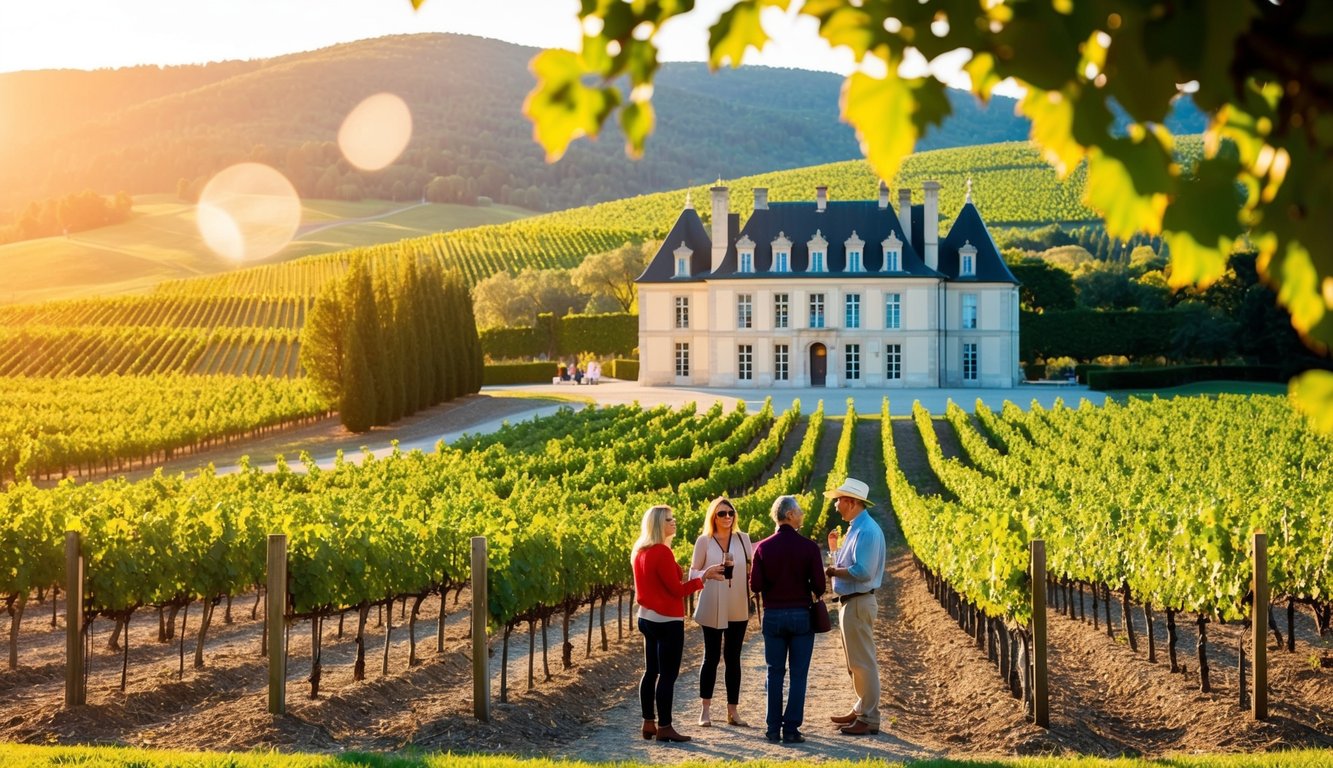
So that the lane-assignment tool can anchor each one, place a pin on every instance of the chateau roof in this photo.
(689, 230)
(969, 228)
(800, 221)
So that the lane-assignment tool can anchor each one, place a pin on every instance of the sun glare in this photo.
(376, 132)
(248, 212)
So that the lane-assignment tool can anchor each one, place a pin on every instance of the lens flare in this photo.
(376, 132)
(248, 212)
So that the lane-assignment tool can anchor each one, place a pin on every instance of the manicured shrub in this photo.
(625, 370)
(1175, 376)
(519, 373)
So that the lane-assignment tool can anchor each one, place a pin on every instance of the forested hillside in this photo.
(149, 129)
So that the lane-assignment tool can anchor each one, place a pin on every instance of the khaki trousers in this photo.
(856, 620)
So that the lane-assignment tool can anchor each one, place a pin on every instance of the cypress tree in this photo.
(475, 363)
(363, 323)
(443, 338)
(387, 377)
(323, 347)
(455, 297)
(357, 409)
(406, 312)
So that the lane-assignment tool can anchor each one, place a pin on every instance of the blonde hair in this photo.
(711, 517)
(652, 529)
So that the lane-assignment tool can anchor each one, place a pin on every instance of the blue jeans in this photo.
(788, 643)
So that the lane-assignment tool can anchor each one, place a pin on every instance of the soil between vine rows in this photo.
(940, 695)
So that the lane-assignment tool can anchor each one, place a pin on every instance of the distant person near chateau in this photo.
(787, 573)
(660, 588)
(723, 609)
(857, 571)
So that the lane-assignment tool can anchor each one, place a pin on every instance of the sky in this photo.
(91, 34)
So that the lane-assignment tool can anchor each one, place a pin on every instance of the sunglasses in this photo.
(726, 513)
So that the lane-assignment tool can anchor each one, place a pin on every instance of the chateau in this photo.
(829, 293)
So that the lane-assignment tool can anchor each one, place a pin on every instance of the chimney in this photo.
(905, 208)
(883, 195)
(931, 225)
(720, 215)
(821, 198)
(761, 198)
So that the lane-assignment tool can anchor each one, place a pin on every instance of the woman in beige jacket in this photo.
(723, 607)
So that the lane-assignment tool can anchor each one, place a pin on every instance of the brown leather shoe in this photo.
(667, 733)
(846, 719)
(860, 728)
(649, 728)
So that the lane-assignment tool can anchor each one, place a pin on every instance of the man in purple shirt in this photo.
(786, 573)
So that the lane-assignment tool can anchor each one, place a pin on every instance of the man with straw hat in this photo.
(857, 570)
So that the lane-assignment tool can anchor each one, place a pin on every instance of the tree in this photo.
(1203, 333)
(324, 342)
(497, 302)
(1257, 69)
(1044, 287)
(612, 274)
(362, 369)
(1143, 260)
(1106, 287)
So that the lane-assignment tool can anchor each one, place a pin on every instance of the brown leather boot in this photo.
(649, 728)
(846, 719)
(860, 728)
(667, 733)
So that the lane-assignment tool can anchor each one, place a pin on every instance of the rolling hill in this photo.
(161, 242)
(157, 130)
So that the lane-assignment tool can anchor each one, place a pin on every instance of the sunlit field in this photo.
(162, 242)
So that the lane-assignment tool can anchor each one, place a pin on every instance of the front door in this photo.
(818, 364)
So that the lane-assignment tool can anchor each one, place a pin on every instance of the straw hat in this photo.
(852, 488)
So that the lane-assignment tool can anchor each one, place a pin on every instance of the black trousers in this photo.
(723, 644)
(663, 645)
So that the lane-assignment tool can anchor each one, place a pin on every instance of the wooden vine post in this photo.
(276, 619)
(481, 677)
(1259, 625)
(76, 690)
(1041, 712)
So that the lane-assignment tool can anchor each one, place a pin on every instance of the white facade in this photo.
(839, 318)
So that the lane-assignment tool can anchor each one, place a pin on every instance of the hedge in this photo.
(609, 334)
(1175, 376)
(519, 373)
(514, 343)
(1086, 334)
(625, 370)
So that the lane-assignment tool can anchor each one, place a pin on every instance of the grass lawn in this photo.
(1202, 388)
(27, 756)
(161, 242)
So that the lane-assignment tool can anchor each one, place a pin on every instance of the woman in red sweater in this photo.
(660, 589)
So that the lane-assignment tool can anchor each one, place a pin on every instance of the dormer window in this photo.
(818, 252)
(855, 247)
(967, 260)
(745, 255)
(893, 253)
(781, 253)
(683, 254)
